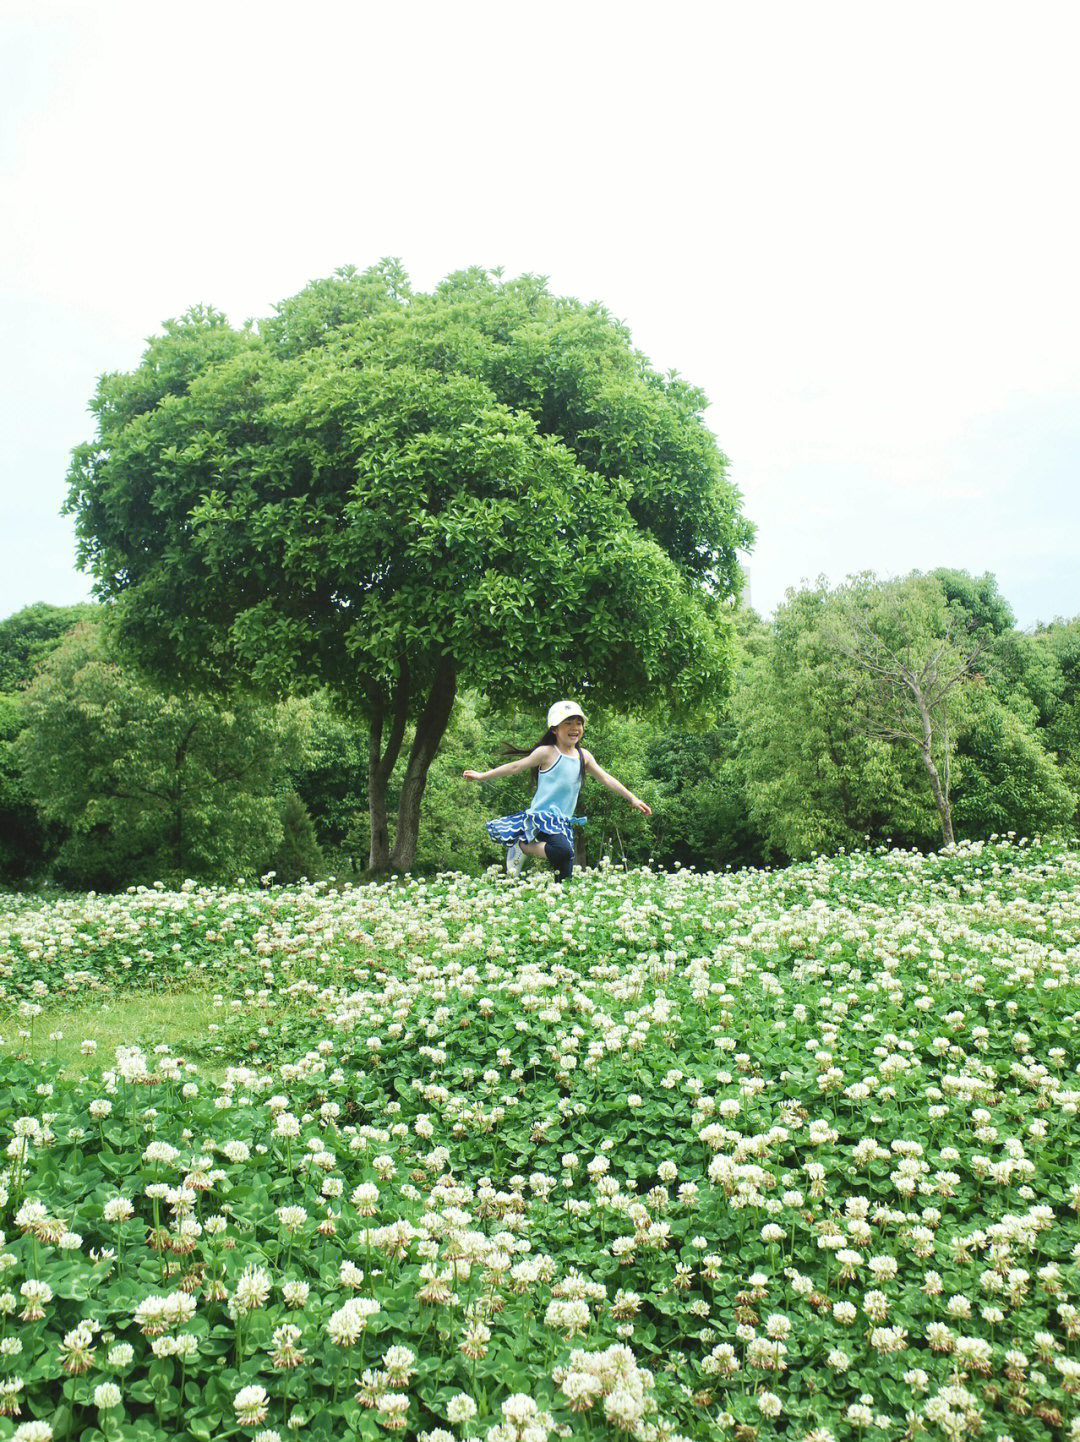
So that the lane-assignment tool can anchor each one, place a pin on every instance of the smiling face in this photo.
(569, 732)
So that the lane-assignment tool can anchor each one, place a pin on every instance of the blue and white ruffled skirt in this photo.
(524, 826)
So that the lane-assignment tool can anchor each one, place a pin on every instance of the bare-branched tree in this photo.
(915, 652)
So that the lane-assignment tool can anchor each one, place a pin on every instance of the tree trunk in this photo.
(381, 764)
(178, 830)
(181, 754)
(430, 730)
(379, 849)
(941, 794)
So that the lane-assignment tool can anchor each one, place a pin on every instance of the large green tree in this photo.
(914, 649)
(393, 494)
(150, 785)
(815, 779)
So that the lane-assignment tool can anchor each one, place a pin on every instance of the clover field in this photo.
(753, 1155)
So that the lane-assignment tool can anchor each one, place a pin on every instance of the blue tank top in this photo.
(558, 785)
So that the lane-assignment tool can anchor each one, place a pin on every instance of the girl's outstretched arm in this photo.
(541, 756)
(593, 767)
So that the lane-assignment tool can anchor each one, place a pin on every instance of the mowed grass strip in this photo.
(180, 1021)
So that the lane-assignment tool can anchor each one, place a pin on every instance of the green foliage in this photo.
(150, 785)
(1052, 680)
(1006, 781)
(978, 598)
(829, 736)
(28, 636)
(298, 856)
(331, 776)
(1036, 678)
(700, 815)
(246, 491)
(815, 780)
(790, 767)
(26, 842)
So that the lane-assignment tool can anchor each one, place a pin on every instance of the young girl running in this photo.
(560, 763)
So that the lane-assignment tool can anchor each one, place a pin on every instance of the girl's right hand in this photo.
(472, 776)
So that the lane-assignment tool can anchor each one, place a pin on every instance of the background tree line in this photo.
(841, 713)
(345, 551)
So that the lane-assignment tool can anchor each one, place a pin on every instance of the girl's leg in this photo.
(533, 848)
(558, 851)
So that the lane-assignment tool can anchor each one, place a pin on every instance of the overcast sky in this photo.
(855, 226)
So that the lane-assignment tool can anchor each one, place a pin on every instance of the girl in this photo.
(560, 763)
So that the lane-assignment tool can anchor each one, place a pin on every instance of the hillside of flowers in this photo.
(747, 1155)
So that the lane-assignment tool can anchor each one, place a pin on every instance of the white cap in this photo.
(562, 711)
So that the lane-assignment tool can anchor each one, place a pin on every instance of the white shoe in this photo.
(515, 859)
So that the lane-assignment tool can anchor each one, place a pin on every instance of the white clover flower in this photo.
(32, 1432)
(884, 1268)
(162, 1153)
(350, 1274)
(460, 1408)
(252, 1288)
(346, 1324)
(31, 1215)
(36, 1295)
(251, 1405)
(106, 1395)
(365, 1198)
(399, 1364)
(292, 1218)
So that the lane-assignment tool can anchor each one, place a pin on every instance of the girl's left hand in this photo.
(639, 805)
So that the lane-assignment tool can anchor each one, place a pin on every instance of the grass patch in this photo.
(178, 1020)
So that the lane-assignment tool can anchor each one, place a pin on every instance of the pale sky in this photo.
(854, 225)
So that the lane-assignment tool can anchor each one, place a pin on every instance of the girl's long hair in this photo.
(548, 739)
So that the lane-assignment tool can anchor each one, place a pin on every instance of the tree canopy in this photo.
(150, 785)
(875, 705)
(390, 494)
(28, 636)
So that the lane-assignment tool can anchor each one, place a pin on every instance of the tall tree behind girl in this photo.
(546, 828)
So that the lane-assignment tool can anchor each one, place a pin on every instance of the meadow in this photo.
(745, 1155)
